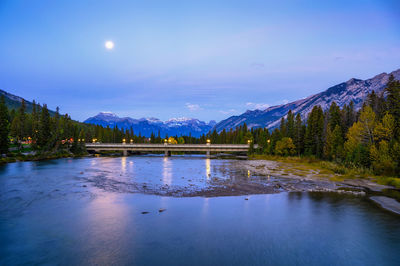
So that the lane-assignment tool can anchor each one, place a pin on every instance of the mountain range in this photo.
(355, 90)
(146, 126)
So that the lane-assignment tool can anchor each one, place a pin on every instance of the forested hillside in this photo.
(368, 138)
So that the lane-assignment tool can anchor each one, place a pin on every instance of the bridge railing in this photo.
(151, 145)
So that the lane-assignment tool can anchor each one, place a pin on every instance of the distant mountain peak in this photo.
(352, 90)
(146, 126)
(106, 113)
(179, 119)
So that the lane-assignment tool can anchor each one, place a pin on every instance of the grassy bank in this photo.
(327, 169)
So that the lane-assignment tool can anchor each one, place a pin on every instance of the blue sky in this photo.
(202, 59)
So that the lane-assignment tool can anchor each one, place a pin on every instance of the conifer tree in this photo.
(393, 102)
(334, 116)
(298, 137)
(35, 124)
(290, 125)
(282, 128)
(44, 128)
(337, 143)
(4, 127)
(314, 133)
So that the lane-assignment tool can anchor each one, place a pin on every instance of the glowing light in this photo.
(123, 164)
(167, 171)
(109, 45)
(208, 168)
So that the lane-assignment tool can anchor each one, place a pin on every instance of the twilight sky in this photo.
(204, 59)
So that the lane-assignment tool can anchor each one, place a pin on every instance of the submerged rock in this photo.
(387, 203)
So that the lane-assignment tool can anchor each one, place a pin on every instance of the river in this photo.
(128, 211)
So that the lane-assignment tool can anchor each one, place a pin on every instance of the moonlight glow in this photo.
(109, 45)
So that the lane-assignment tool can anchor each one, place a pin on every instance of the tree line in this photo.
(368, 138)
(47, 131)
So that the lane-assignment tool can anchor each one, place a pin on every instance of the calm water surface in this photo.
(83, 211)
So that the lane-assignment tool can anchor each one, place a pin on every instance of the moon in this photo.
(109, 45)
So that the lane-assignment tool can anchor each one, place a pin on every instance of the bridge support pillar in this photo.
(125, 153)
(167, 153)
(208, 155)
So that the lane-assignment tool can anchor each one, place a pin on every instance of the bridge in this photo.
(168, 148)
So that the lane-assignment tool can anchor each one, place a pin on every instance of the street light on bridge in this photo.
(123, 141)
(131, 141)
(208, 141)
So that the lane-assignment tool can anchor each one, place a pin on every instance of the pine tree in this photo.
(314, 132)
(290, 125)
(337, 143)
(328, 144)
(334, 116)
(393, 102)
(298, 137)
(282, 128)
(35, 124)
(4, 127)
(349, 116)
(22, 117)
(44, 133)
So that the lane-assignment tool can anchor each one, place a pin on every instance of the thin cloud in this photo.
(226, 112)
(193, 107)
(259, 106)
(257, 65)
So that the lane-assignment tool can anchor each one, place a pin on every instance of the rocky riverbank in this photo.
(240, 177)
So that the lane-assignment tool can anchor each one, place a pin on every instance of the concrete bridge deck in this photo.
(168, 148)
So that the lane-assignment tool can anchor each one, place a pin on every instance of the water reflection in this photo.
(205, 206)
(208, 170)
(107, 222)
(64, 219)
(167, 171)
(123, 164)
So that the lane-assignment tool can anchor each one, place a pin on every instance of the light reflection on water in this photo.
(123, 164)
(167, 171)
(208, 168)
(50, 215)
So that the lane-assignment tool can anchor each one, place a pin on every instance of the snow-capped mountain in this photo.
(354, 90)
(145, 126)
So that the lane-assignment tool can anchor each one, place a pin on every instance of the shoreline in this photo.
(329, 182)
(40, 157)
(262, 177)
